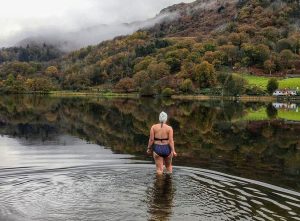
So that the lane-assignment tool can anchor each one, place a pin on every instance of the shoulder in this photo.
(169, 127)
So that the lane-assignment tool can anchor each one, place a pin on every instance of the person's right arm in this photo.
(151, 139)
(171, 142)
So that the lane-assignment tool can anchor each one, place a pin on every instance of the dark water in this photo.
(83, 159)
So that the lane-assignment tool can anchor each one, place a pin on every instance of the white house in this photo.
(285, 93)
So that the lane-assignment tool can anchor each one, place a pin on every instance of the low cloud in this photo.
(68, 41)
(89, 24)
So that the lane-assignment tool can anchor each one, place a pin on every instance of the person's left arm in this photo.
(171, 142)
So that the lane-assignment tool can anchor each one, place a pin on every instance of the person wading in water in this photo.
(161, 137)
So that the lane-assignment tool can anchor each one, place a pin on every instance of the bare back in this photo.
(162, 133)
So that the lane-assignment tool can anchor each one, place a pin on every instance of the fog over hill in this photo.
(68, 41)
(73, 24)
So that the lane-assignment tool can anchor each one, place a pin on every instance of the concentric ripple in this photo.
(134, 192)
(94, 184)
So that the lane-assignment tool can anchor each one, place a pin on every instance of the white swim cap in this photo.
(163, 117)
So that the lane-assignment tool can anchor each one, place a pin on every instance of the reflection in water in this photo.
(286, 106)
(251, 140)
(272, 111)
(161, 198)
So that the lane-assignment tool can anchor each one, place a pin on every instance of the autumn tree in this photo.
(140, 78)
(231, 53)
(271, 33)
(158, 70)
(205, 75)
(51, 71)
(126, 84)
(39, 84)
(238, 39)
(269, 66)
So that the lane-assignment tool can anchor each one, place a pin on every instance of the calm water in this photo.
(83, 159)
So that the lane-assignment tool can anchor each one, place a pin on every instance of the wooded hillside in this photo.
(195, 51)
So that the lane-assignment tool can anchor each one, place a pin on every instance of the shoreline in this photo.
(229, 98)
(91, 94)
(242, 98)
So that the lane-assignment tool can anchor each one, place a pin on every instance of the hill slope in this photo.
(190, 52)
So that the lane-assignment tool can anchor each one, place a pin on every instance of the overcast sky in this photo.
(29, 16)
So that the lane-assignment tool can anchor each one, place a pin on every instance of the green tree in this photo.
(283, 44)
(286, 57)
(175, 64)
(143, 50)
(235, 85)
(167, 92)
(257, 54)
(272, 85)
(10, 81)
(186, 85)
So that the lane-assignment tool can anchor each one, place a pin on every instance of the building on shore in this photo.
(285, 92)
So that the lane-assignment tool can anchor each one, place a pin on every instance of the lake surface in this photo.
(84, 159)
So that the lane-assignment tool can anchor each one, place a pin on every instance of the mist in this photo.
(72, 24)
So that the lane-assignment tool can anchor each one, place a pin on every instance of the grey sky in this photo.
(24, 18)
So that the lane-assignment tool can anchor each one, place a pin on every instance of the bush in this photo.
(205, 91)
(167, 92)
(186, 86)
(272, 85)
(255, 90)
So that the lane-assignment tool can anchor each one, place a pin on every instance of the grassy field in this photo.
(257, 81)
(290, 83)
(261, 114)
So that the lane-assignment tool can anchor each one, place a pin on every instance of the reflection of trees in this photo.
(271, 111)
(160, 198)
(29, 116)
(205, 132)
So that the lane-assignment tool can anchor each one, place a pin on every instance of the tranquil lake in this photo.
(84, 159)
